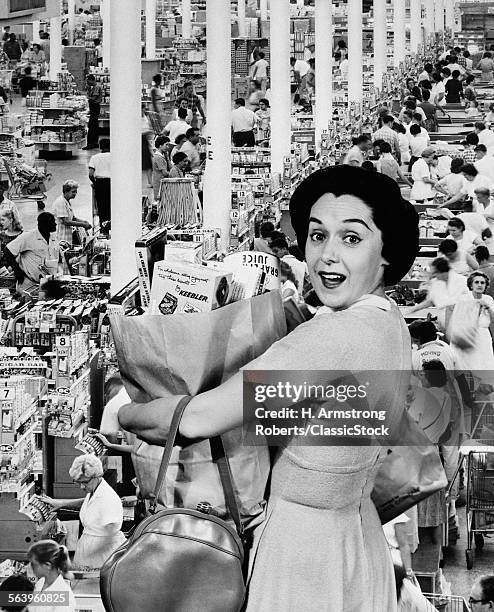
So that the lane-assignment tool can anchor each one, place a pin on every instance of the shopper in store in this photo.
(486, 65)
(255, 96)
(423, 174)
(100, 176)
(260, 72)
(193, 103)
(453, 182)
(471, 142)
(161, 163)
(12, 48)
(156, 94)
(404, 142)
(426, 74)
(486, 137)
(243, 123)
(465, 239)
(430, 112)
(50, 564)
(177, 127)
(179, 142)
(489, 117)
(180, 163)
(289, 287)
(38, 55)
(469, 90)
(66, 220)
(183, 103)
(479, 356)
(95, 97)
(26, 83)
(263, 121)
(473, 181)
(101, 513)
(262, 242)
(482, 256)
(279, 247)
(484, 162)
(482, 594)
(345, 220)
(10, 226)
(190, 149)
(438, 92)
(459, 260)
(388, 165)
(445, 289)
(387, 134)
(6, 33)
(34, 254)
(15, 585)
(356, 154)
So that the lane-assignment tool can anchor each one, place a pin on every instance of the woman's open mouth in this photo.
(331, 280)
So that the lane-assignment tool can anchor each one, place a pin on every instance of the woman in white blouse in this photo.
(101, 513)
(465, 239)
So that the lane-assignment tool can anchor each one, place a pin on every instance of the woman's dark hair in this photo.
(361, 139)
(160, 141)
(456, 165)
(448, 246)
(426, 94)
(266, 229)
(435, 373)
(423, 331)
(17, 583)
(455, 222)
(296, 252)
(381, 194)
(48, 551)
(486, 233)
(470, 79)
(400, 576)
(437, 77)
(368, 166)
(482, 253)
(415, 129)
(397, 127)
(385, 147)
(472, 139)
(157, 79)
(441, 265)
(455, 74)
(487, 54)
(179, 157)
(474, 275)
(425, 85)
(469, 169)
(264, 101)
(446, 71)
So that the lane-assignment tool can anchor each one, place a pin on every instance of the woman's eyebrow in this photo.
(315, 220)
(357, 221)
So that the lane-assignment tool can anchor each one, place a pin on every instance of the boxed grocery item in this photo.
(186, 287)
(268, 264)
(246, 282)
(179, 250)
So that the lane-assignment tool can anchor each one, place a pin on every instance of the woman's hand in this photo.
(49, 501)
(103, 439)
(151, 421)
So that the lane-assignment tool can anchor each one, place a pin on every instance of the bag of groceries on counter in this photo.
(203, 339)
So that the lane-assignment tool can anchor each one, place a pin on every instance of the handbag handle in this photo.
(219, 457)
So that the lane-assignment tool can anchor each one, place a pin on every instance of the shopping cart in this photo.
(447, 603)
(155, 121)
(25, 182)
(479, 454)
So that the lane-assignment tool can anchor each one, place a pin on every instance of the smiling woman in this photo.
(345, 219)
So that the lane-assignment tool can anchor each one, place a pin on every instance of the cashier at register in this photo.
(34, 254)
(101, 513)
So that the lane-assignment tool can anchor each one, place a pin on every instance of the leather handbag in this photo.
(180, 559)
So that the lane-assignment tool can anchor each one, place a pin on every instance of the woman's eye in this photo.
(317, 236)
(351, 239)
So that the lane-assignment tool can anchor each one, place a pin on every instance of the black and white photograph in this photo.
(247, 305)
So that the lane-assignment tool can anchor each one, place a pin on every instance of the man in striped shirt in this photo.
(387, 134)
(62, 209)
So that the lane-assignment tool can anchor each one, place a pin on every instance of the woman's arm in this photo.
(57, 504)
(456, 198)
(428, 303)
(472, 262)
(403, 178)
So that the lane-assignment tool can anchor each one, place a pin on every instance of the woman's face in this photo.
(455, 232)
(262, 106)
(343, 250)
(478, 284)
(88, 485)
(469, 177)
(40, 570)
(442, 276)
(5, 222)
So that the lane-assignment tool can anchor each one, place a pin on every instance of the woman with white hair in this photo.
(101, 513)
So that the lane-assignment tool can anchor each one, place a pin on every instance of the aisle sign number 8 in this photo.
(62, 341)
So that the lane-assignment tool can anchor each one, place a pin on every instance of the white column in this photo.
(125, 135)
(399, 32)
(429, 18)
(380, 46)
(439, 15)
(242, 29)
(300, 4)
(263, 6)
(217, 179)
(71, 16)
(279, 34)
(324, 68)
(55, 47)
(415, 25)
(355, 78)
(105, 15)
(36, 29)
(450, 14)
(150, 29)
(186, 19)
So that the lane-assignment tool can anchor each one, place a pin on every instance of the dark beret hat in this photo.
(395, 217)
